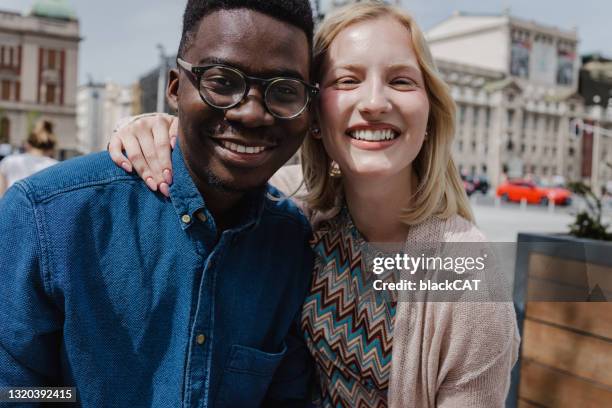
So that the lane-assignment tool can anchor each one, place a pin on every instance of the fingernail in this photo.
(167, 176)
(151, 184)
(126, 166)
(173, 141)
(163, 188)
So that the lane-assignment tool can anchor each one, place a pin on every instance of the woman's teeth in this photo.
(373, 135)
(242, 149)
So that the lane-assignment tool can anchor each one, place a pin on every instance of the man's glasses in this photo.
(224, 87)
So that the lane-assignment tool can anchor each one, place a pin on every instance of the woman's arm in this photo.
(147, 141)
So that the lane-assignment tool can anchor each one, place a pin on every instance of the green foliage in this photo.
(588, 224)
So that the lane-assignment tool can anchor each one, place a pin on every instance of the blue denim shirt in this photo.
(138, 301)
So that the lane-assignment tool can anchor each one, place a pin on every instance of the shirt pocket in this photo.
(247, 376)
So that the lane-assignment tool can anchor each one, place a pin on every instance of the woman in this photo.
(377, 168)
(38, 156)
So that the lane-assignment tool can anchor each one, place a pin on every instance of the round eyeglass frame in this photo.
(197, 71)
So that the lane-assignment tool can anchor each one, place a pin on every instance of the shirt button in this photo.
(200, 339)
(186, 218)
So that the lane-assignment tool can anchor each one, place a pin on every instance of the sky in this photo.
(120, 37)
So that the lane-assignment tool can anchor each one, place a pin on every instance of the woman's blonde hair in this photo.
(42, 136)
(440, 190)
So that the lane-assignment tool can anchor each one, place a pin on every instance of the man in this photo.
(138, 300)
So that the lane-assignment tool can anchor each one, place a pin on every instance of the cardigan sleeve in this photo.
(482, 348)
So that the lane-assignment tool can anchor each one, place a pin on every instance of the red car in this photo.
(516, 190)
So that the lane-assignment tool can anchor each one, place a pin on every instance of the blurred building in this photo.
(515, 83)
(100, 107)
(595, 83)
(149, 85)
(595, 86)
(38, 72)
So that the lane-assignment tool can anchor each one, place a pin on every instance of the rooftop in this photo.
(57, 9)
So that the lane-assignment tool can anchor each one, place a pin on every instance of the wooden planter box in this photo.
(566, 351)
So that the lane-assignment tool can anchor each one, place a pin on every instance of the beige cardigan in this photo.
(445, 354)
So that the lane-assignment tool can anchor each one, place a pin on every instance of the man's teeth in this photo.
(373, 135)
(243, 149)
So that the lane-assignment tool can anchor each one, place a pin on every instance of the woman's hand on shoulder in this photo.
(148, 141)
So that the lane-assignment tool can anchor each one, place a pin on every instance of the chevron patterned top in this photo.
(347, 325)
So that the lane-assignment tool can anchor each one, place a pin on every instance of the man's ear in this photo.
(172, 89)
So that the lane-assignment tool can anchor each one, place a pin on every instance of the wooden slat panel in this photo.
(526, 404)
(545, 290)
(553, 388)
(590, 317)
(583, 355)
(569, 272)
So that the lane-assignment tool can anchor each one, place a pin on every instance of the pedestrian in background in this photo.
(38, 155)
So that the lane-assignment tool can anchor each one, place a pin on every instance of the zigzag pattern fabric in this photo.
(347, 325)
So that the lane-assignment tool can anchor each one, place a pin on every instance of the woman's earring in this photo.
(315, 131)
(334, 169)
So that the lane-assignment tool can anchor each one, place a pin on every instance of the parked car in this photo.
(473, 184)
(469, 187)
(481, 183)
(516, 190)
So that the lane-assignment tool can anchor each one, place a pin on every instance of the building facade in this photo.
(38, 73)
(515, 83)
(100, 107)
(150, 84)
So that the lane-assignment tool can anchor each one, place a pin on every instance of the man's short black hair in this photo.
(295, 12)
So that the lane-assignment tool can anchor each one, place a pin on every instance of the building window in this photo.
(533, 148)
(570, 151)
(5, 130)
(462, 114)
(488, 117)
(50, 93)
(510, 117)
(460, 146)
(6, 90)
(522, 147)
(51, 74)
(51, 59)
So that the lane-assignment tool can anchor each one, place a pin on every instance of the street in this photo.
(502, 223)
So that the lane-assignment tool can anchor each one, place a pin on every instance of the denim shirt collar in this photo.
(187, 200)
